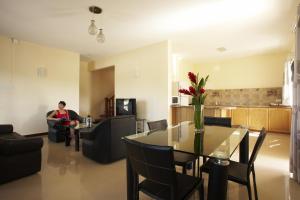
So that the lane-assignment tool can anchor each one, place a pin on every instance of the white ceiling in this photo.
(195, 27)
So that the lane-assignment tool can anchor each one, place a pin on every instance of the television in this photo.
(125, 107)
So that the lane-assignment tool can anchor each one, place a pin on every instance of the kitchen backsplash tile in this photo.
(244, 97)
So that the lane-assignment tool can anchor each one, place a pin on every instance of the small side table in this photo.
(78, 129)
(140, 125)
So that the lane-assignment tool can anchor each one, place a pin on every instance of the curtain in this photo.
(295, 126)
(287, 92)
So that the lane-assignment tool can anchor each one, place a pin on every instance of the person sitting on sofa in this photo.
(62, 115)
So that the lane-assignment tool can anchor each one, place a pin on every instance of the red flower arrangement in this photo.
(196, 89)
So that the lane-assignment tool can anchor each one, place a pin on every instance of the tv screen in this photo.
(125, 107)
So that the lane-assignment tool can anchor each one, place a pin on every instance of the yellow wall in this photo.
(26, 97)
(85, 89)
(184, 67)
(143, 74)
(259, 71)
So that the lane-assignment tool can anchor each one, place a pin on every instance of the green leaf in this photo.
(202, 83)
(203, 98)
(206, 78)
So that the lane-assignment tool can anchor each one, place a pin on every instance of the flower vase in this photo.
(199, 118)
(198, 144)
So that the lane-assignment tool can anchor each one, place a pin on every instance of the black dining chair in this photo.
(239, 172)
(156, 165)
(217, 121)
(181, 159)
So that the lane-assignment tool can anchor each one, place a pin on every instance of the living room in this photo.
(114, 67)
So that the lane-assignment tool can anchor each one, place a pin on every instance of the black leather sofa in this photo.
(57, 132)
(19, 156)
(103, 142)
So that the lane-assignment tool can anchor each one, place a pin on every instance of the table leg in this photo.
(217, 182)
(131, 181)
(76, 132)
(244, 149)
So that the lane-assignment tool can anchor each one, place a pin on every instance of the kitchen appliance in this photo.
(175, 100)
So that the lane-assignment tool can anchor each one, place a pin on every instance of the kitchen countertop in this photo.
(229, 107)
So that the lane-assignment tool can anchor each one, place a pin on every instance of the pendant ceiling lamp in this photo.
(93, 29)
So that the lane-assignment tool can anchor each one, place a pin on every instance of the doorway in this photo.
(102, 92)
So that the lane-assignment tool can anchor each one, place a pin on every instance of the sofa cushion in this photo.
(20, 145)
(6, 128)
(11, 136)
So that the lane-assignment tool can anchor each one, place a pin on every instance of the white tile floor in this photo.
(67, 175)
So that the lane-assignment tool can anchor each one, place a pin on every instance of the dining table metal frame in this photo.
(217, 181)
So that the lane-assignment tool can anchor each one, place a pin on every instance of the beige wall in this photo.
(143, 74)
(85, 89)
(259, 71)
(103, 85)
(25, 97)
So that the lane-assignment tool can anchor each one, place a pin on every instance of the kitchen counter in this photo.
(274, 118)
(230, 107)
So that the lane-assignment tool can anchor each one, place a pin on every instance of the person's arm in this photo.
(51, 116)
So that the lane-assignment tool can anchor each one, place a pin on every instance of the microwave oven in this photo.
(175, 100)
(182, 100)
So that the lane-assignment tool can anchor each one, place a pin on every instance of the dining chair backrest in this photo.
(158, 125)
(217, 121)
(257, 146)
(155, 163)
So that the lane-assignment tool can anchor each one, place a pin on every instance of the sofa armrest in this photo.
(6, 128)
(80, 119)
(51, 123)
(56, 125)
(19, 146)
(88, 133)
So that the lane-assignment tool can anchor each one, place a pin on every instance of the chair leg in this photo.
(194, 166)
(184, 169)
(136, 188)
(198, 167)
(204, 159)
(249, 190)
(254, 183)
(201, 191)
(137, 195)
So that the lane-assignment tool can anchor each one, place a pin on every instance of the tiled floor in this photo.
(67, 175)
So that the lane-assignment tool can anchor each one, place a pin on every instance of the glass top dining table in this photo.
(216, 142)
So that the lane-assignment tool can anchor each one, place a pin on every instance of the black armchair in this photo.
(57, 132)
(19, 156)
(103, 142)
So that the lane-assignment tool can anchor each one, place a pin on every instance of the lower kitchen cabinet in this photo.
(273, 119)
(258, 118)
(239, 117)
(182, 113)
(280, 120)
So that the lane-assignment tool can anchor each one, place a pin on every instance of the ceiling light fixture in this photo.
(100, 37)
(221, 49)
(93, 30)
